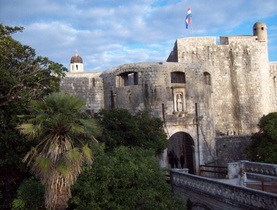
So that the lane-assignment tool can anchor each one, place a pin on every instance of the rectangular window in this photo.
(178, 77)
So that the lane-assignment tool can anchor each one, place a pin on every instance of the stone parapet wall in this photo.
(200, 41)
(254, 170)
(260, 168)
(217, 196)
(225, 40)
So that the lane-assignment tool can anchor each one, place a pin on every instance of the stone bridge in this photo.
(214, 194)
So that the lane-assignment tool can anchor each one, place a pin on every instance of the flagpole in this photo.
(191, 29)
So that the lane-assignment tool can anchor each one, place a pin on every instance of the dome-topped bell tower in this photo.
(76, 64)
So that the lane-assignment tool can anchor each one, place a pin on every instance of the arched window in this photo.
(207, 78)
(178, 77)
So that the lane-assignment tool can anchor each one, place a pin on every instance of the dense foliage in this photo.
(63, 131)
(126, 178)
(23, 77)
(141, 130)
(263, 147)
(29, 196)
(126, 172)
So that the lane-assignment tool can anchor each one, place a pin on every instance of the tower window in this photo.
(93, 82)
(207, 78)
(178, 77)
(76, 67)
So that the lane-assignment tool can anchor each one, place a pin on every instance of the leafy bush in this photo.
(263, 147)
(29, 196)
(127, 178)
(120, 128)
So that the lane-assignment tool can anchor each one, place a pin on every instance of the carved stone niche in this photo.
(179, 103)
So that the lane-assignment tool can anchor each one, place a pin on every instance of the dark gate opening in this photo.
(181, 151)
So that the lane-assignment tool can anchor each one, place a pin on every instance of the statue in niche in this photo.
(179, 102)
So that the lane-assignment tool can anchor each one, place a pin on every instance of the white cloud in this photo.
(112, 32)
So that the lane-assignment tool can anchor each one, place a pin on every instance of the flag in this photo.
(188, 17)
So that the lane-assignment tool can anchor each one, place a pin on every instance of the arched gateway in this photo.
(181, 146)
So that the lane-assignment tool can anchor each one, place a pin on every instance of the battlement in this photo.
(204, 41)
(210, 41)
(83, 74)
(226, 40)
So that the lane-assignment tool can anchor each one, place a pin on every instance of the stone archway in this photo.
(181, 143)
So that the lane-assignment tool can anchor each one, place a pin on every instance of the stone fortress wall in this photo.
(273, 75)
(240, 77)
(87, 86)
(205, 89)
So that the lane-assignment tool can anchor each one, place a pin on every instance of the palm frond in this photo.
(41, 164)
(30, 156)
(70, 164)
(87, 154)
(73, 155)
(30, 129)
(64, 168)
(76, 128)
(91, 126)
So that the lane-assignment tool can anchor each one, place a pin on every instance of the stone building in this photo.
(204, 91)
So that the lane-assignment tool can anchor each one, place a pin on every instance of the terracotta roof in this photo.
(76, 59)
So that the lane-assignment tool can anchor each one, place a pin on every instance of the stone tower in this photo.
(260, 30)
(76, 64)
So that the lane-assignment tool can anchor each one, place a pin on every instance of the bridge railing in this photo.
(260, 168)
(229, 194)
(252, 167)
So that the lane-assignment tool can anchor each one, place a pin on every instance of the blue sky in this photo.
(108, 33)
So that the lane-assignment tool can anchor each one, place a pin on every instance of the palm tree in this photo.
(63, 132)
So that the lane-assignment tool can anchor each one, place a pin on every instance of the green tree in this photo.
(126, 178)
(23, 77)
(63, 132)
(263, 146)
(29, 196)
(151, 132)
(120, 127)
